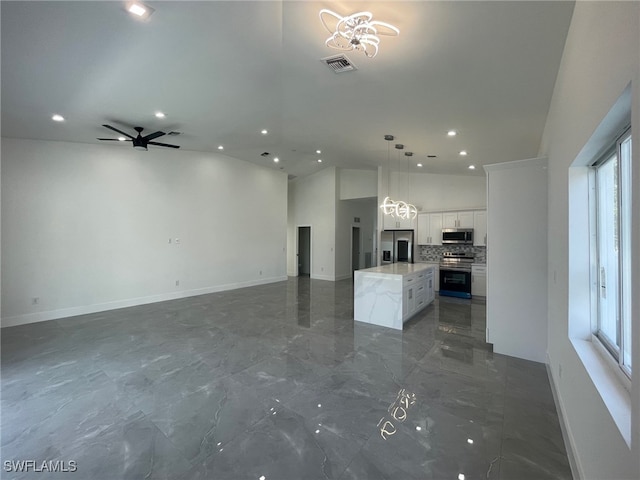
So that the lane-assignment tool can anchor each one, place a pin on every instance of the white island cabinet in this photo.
(389, 295)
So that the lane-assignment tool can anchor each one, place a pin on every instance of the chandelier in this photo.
(356, 32)
(397, 208)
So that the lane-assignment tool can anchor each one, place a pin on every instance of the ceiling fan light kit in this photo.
(139, 142)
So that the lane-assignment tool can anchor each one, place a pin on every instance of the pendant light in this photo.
(397, 208)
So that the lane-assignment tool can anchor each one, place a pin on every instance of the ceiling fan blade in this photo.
(163, 145)
(116, 130)
(151, 136)
(112, 140)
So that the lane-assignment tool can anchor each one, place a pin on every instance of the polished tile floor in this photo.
(273, 382)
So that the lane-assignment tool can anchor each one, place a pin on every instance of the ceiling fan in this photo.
(139, 142)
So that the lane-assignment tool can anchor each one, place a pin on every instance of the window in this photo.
(612, 184)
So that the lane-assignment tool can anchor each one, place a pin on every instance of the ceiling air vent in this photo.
(339, 63)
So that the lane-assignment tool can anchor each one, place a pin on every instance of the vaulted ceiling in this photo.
(223, 71)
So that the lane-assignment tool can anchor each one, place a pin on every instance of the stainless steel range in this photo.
(455, 274)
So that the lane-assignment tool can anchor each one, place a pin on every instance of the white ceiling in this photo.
(222, 71)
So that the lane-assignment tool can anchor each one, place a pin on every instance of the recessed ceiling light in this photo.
(137, 9)
(463, 153)
(57, 118)
(470, 441)
(419, 165)
(160, 115)
(140, 10)
(220, 147)
(319, 160)
(472, 167)
(122, 139)
(452, 133)
(318, 152)
(276, 159)
(264, 131)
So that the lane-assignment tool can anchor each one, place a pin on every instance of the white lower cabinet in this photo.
(388, 295)
(436, 275)
(418, 292)
(478, 281)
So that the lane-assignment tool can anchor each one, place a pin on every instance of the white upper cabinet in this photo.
(465, 219)
(430, 226)
(480, 228)
(390, 222)
(423, 229)
(435, 229)
(429, 229)
(457, 219)
(449, 219)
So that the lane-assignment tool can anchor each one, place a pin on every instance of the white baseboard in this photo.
(130, 302)
(343, 277)
(323, 277)
(576, 470)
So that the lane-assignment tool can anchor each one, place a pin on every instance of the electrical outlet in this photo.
(177, 240)
(35, 300)
(169, 240)
(260, 272)
(177, 283)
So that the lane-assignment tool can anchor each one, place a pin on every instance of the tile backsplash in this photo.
(433, 253)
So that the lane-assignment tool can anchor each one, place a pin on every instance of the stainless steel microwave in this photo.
(457, 236)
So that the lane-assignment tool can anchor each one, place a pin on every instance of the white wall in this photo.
(600, 59)
(357, 183)
(516, 258)
(367, 211)
(432, 192)
(312, 202)
(87, 227)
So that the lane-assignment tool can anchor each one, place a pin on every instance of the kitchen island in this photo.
(389, 295)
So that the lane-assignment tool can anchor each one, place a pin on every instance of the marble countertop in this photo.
(397, 268)
(478, 264)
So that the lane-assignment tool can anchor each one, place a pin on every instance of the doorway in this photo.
(304, 251)
(355, 249)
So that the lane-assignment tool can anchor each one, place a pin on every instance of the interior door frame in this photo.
(359, 227)
(298, 227)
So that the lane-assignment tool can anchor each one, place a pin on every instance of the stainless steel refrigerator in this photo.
(396, 246)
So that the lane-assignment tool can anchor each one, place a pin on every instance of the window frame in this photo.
(613, 354)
